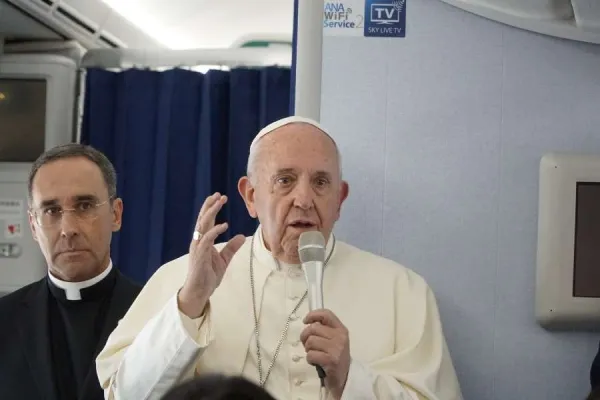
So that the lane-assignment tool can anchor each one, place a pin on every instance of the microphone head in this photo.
(311, 246)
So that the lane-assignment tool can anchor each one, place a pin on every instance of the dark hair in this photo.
(73, 150)
(217, 387)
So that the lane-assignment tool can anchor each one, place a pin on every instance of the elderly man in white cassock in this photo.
(240, 308)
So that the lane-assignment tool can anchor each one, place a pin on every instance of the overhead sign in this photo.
(365, 18)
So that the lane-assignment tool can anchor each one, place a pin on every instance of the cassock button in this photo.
(296, 358)
(296, 273)
(299, 382)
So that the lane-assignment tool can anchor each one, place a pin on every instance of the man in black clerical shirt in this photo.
(595, 377)
(52, 330)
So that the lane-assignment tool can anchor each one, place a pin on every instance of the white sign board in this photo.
(365, 18)
(12, 209)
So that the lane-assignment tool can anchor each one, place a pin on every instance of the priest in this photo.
(53, 329)
(595, 376)
(240, 308)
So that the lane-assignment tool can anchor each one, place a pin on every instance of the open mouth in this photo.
(302, 224)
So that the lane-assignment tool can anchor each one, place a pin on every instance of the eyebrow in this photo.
(293, 171)
(324, 173)
(76, 199)
(285, 171)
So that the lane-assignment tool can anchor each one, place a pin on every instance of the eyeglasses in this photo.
(84, 211)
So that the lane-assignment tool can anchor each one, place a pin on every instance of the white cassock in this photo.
(396, 342)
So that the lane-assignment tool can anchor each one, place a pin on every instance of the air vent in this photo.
(109, 42)
(66, 21)
(73, 19)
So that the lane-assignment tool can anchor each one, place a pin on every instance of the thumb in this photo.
(229, 250)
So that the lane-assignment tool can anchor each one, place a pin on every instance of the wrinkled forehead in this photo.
(299, 147)
(67, 180)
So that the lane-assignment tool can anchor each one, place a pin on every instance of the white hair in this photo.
(254, 146)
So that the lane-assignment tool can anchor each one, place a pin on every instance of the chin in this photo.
(74, 256)
(75, 259)
(72, 273)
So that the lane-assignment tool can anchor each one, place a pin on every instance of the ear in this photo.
(117, 211)
(247, 192)
(33, 226)
(344, 192)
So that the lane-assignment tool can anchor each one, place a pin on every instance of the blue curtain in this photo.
(175, 137)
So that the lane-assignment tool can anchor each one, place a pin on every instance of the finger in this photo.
(209, 237)
(219, 267)
(316, 343)
(315, 357)
(207, 221)
(232, 247)
(317, 329)
(325, 317)
(209, 201)
(227, 253)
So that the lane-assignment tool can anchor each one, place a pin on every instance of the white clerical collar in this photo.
(264, 256)
(73, 289)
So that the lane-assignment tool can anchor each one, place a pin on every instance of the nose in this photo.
(69, 225)
(303, 196)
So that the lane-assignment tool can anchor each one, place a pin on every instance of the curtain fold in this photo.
(175, 137)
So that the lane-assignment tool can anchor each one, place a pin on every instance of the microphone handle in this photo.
(315, 296)
(322, 374)
(313, 272)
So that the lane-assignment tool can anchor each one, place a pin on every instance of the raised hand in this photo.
(206, 265)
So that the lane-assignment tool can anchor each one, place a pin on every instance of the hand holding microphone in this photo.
(325, 339)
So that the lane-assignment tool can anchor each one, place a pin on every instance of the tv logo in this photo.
(385, 18)
(385, 14)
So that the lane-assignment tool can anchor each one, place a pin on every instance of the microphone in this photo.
(311, 249)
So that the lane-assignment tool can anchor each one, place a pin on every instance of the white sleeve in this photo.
(365, 384)
(161, 355)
